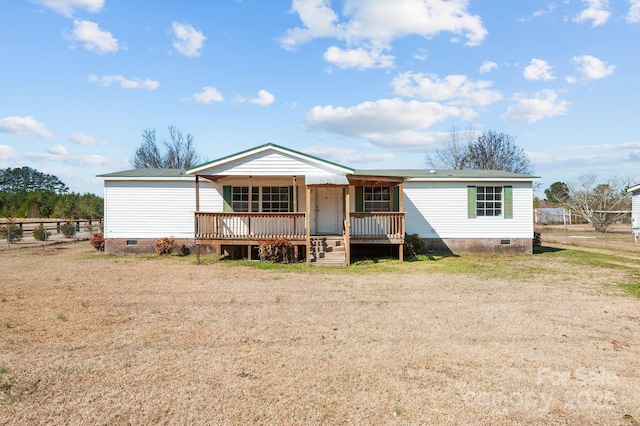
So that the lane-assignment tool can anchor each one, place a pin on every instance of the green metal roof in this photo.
(444, 174)
(147, 173)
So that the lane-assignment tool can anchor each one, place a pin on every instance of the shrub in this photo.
(68, 229)
(184, 250)
(279, 250)
(537, 239)
(11, 231)
(414, 246)
(97, 241)
(164, 245)
(41, 233)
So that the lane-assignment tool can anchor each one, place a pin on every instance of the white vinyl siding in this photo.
(269, 164)
(440, 210)
(155, 209)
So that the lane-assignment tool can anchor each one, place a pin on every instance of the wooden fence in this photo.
(53, 226)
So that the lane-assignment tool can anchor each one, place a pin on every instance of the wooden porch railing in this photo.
(377, 226)
(249, 226)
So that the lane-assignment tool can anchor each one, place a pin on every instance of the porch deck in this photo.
(249, 228)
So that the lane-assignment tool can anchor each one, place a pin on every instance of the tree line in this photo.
(26, 192)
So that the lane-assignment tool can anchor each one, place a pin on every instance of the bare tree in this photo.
(600, 204)
(180, 152)
(487, 151)
(498, 151)
(453, 155)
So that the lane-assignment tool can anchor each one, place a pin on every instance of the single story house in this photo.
(635, 210)
(325, 209)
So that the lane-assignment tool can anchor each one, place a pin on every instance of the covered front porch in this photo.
(324, 225)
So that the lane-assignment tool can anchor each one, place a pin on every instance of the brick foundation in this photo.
(141, 245)
(480, 245)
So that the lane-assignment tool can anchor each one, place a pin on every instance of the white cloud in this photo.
(80, 160)
(92, 37)
(264, 99)
(372, 25)
(593, 68)
(543, 104)
(125, 83)
(633, 16)
(67, 7)
(347, 155)
(421, 54)
(24, 126)
(357, 58)
(597, 12)
(538, 70)
(84, 139)
(188, 41)
(456, 89)
(393, 123)
(57, 150)
(7, 153)
(487, 67)
(319, 21)
(209, 94)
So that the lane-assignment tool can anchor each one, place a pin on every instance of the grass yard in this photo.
(88, 338)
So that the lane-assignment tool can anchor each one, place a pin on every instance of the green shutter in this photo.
(508, 202)
(396, 199)
(471, 202)
(291, 198)
(226, 198)
(359, 199)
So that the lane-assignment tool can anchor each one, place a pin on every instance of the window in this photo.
(489, 201)
(267, 199)
(240, 199)
(376, 199)
(275, 199)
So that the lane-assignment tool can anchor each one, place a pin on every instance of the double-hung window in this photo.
(240, 198)
(275, 199)
(489, 201)
(376, 199)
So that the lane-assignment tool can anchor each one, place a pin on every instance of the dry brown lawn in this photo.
(88, 338)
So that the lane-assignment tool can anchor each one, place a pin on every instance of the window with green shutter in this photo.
(490, 201)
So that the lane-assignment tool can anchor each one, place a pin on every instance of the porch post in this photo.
(295, 195)
(347, 225)
(307, 223)
(400, 207)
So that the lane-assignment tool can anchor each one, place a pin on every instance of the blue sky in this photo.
(365, 83)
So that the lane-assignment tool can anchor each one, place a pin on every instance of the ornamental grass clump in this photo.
(11, 231)
(68, 229)
(41, 233)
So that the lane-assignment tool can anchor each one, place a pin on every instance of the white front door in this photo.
(328, 210)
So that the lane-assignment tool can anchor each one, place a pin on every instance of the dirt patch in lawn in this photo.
(88, 338)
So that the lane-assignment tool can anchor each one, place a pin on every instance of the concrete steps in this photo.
(328, 250)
